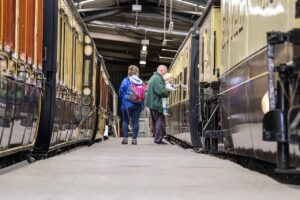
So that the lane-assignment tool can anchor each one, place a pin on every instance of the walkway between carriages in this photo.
(109, 170)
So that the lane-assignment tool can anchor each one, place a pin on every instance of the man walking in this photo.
(156, 91)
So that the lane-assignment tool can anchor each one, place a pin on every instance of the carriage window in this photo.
(74, 61)
(61, 53)
(70, 58)
(94, 72)
(180, 88)
(59, 33)
(67, 72)
(63, 56)
(174, 94)
(86, 72)
(104, 92)
(177, 92)
(105, 95)
(202, 60)
(79, 66)
(184, 83)
(171, 98)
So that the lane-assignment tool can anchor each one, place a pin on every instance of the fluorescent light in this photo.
(136, 8)
(170, 50)
(143, 62)
(192, 4)
(169, 58)
(144, 48)
(83, 2)
(145, 42)
(87, 1)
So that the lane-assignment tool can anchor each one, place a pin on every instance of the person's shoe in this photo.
(162, 142)
(134, 142)
(125, 141)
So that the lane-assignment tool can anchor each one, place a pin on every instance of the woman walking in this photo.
(131, 92)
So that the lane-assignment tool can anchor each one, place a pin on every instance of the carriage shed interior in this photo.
(125, 35)
(234, 128)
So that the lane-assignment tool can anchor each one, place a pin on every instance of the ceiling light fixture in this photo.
(170, 50)
(144, 48)
(144, 52)
(192, 4)
(169, 58)
(87, 1)
(171, 24)
(83, 2)
(145, 42)
(136, 8)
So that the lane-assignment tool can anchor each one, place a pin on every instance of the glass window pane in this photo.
(86, 72)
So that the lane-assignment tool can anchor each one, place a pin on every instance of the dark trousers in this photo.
(159, 125)
(134, 115)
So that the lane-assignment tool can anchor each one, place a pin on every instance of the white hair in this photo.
(168, 77)
(160, 68)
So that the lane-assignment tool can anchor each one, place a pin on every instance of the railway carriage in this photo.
(178, 124)
(21, 78)
(53, 83)
(249, 86)
(245, 83)
(70, 69)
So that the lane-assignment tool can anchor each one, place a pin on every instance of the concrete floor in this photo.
(147, 171)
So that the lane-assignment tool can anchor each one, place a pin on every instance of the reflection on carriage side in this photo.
(54, 87)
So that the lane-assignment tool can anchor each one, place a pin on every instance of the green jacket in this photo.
(156, 91)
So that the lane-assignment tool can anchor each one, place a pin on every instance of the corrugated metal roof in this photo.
(118, 30)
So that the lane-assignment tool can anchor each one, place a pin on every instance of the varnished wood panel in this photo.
(1, 23)
(39, 36)
(30, 30)
(9, 25)
(22, 29)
